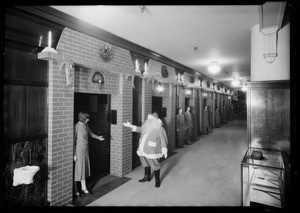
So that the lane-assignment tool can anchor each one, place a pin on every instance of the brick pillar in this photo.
(121, 137)
(60, 137)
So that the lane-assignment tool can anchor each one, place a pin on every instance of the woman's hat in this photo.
(82, 116)
(257, 155)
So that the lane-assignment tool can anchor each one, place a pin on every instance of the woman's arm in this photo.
(98, 137)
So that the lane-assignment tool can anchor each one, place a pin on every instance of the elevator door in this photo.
(98, 107)
(157, 105)
(136, 119)
(176, 113)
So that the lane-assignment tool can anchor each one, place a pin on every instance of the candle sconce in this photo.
(68, 67)
(98, 78)
(49, 48)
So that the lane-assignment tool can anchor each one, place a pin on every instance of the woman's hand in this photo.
(100, 138)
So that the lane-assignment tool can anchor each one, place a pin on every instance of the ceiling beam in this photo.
(271, 14)
(57, 17)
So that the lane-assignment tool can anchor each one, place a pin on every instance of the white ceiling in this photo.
(221, 33)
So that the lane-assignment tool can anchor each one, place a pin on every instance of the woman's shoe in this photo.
(85, 191)
(76, 194)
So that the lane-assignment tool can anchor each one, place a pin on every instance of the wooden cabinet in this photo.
(264, 182)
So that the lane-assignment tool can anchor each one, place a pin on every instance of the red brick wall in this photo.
(82, 50)
(60, 138)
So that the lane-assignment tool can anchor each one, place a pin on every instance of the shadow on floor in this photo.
(100, 189)
(170, 154)
(105, 184)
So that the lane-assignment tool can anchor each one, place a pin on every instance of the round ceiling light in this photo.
(235, 82)
(214, 67)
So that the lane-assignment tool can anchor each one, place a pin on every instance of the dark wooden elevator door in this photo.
(136, 119)
(157, 105)
(98, 107)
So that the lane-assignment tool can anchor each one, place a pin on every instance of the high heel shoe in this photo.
(76, 195)
(86, 192)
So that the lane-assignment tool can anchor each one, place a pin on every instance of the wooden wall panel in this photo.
(24, 65)
(24, 111)
(269, 117)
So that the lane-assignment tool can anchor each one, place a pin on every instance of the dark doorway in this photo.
(187, 103)
(176, 113)
(136, 119)
(204, 104)
(98, 107)
(197, 108)
(157, 105)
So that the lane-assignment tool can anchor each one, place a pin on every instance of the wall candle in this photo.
(136, 64)
(49, 38)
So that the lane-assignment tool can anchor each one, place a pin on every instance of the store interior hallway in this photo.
(206, 173)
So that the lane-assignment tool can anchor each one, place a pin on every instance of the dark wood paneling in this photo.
(30, 30)
(136, 118)
(25, 111)
(24, 65)
(268, 107)
(25, 107)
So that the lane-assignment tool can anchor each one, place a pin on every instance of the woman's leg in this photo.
(83, 187)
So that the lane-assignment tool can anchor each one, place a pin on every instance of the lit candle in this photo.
(49, 39)
(136, 64)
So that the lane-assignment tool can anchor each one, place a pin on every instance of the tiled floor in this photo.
(206, 173)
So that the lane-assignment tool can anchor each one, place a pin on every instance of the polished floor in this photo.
(206, 173)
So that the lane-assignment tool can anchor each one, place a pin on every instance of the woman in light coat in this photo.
(81, 152)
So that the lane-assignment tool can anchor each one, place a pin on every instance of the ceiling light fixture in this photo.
(142, 7)
(235, 82)
(214, 67)
(244, 88)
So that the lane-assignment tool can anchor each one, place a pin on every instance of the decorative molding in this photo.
(270, 43)
(68, 67)
(150, 81)
(280, 84)
(131, 78)
(98, 77)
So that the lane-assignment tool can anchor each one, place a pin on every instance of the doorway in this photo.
(98, 107)
(157, 105)
(198, 112)
(187, 103)
(136, 119)
(176, 113)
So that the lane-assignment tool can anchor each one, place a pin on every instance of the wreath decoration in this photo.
(164, 71)
(106, 53)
